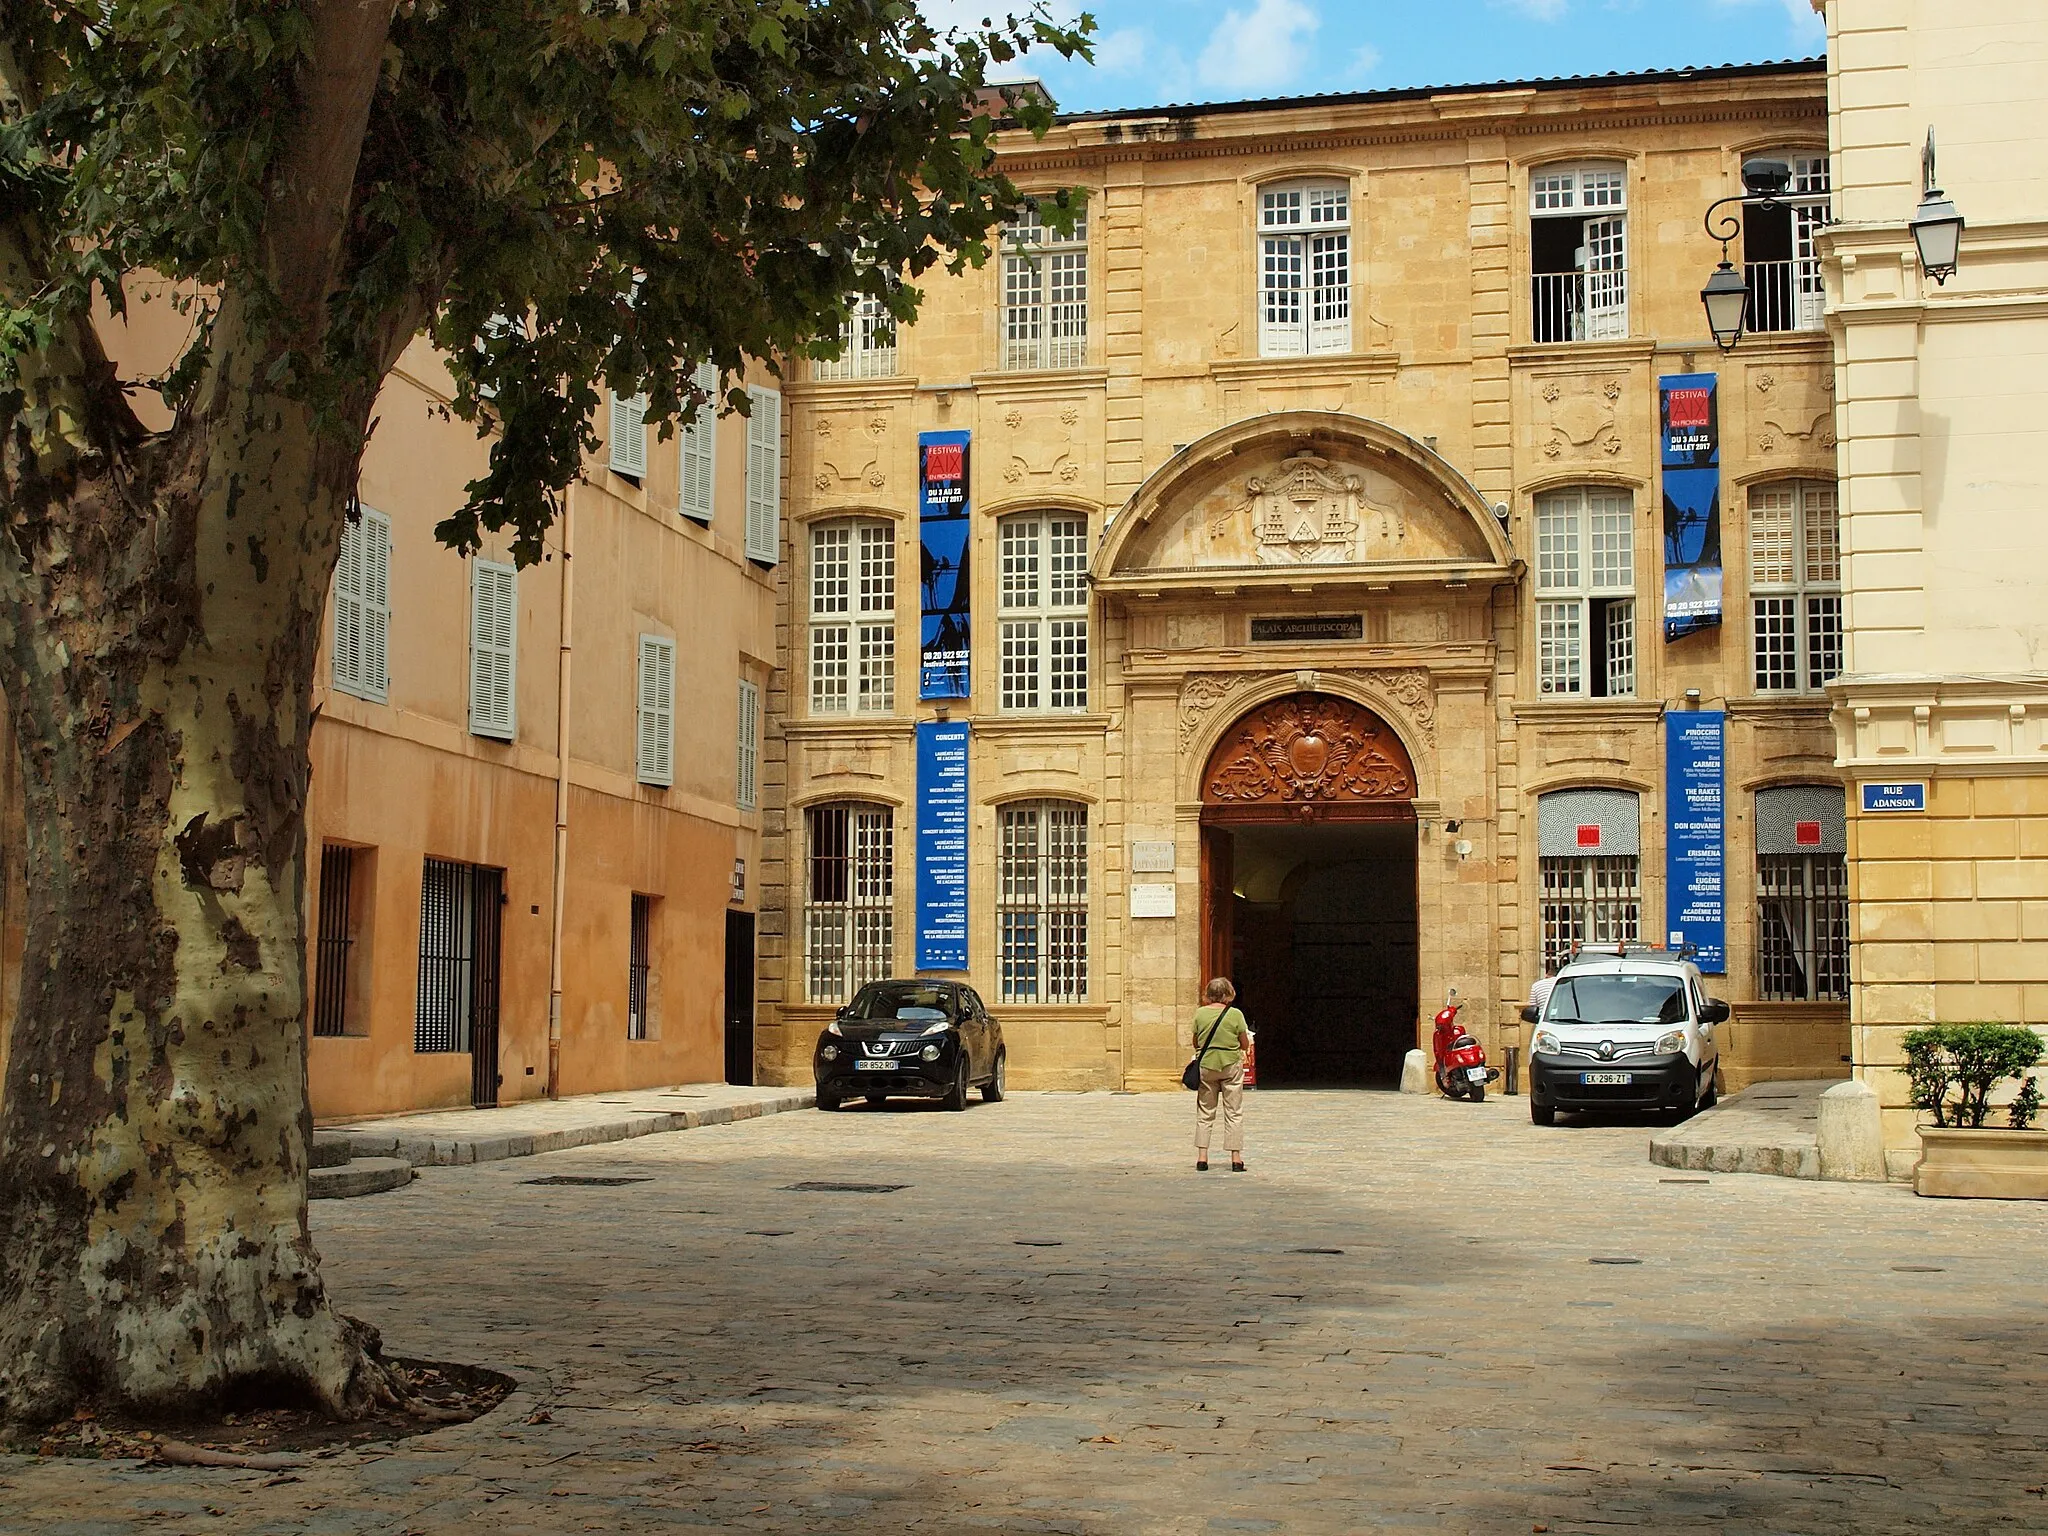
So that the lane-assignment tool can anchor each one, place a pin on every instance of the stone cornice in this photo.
(1590, 711)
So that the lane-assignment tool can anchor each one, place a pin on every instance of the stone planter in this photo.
(1989, 1164)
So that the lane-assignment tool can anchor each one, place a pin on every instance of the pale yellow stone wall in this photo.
(1441, 354)
(1940, 411)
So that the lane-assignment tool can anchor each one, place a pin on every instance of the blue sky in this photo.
(1152, 52)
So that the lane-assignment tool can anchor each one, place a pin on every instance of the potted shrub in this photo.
(1952, 1070)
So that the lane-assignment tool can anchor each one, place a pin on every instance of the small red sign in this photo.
(1589, 837)
(1806, 834)
(944, 461)
(1688, 407)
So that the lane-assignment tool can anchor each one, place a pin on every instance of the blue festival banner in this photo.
(942, 845)
(1690, 439)
(943, 525)
(1695, 835)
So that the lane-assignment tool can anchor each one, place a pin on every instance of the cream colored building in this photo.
(1944, 478)
(1316, 572)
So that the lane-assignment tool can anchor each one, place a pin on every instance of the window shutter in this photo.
(629, 435)
(1606, 279)
(655, 757)
(700, 440)
(747, 793)
(493, 649)
(362, 607)
(764, 476)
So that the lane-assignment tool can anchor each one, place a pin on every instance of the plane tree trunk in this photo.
(161, 603)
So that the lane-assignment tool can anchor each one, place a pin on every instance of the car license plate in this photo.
(874, 1066)
(1475, 1074)
(1588, 1077)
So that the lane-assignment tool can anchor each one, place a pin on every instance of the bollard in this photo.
(1511, 1079)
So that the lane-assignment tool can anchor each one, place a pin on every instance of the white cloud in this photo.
(1260, 50)
(1122, 52)
(1365, 61)
(1808, 26)
(1537, 10)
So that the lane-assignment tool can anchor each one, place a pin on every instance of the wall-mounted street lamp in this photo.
(1726, 296)
(1937, 227)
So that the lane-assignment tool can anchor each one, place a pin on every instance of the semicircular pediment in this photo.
(1302, 489)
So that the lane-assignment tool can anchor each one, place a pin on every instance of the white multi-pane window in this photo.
(747, 775)
(1043, 623)
(1795, 585)
(493, 649)
(853, 618)
(697, 446)
(867, 343)
(764, 475)
(1042, 902)
(362, 606)
(629, 436)
(849, 898)
(1585, 593)
(1781, 250)
(1578, 252)
(1045, 293)
(655, 712)
(1304, 268)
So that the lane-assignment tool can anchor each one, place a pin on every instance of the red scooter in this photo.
(1461, 1069)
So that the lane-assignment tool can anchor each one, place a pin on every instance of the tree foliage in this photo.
(638, 185)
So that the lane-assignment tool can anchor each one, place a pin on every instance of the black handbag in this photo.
(1191, 1074)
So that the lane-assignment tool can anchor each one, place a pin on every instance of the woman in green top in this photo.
(1220, 1032)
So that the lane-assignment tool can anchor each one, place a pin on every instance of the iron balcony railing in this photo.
(1783, 296)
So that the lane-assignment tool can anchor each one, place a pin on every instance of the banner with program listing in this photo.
(943, 537)
(1690, 442)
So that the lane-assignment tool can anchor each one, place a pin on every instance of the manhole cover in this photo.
(769, 1231)
(1685, 1181)
(829, 1187)
(1918, 1269)
(1037, 1242)
(1315, 1250)
(590, 1179)
(1617, 1259)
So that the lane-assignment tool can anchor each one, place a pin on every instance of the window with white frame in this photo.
(1042, 902)
(867, 344)
(853, 618)
(362, 606)
(1578, 252)
(1795, 585)
(697, 449)
(1045, 293)
(1043, 623)
(1780, 249)
(764, 475)
(1802, 893)
(493, 649)
(1589, 856)
(1585, 593)
(629, 436)
(654, 748)
(1304, 268)
(849, 898)
(747, 776)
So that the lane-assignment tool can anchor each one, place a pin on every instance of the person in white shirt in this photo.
(1539, 994)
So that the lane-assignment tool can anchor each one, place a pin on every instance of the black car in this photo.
(910, 1039)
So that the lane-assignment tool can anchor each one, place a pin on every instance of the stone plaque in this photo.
(1307, 626)
(1152, 858)
(1151, 901)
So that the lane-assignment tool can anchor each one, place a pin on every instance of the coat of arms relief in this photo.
(1309, 513)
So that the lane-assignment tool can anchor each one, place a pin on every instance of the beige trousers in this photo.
(1225, 1087)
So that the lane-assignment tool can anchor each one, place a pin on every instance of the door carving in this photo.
(1305, 756)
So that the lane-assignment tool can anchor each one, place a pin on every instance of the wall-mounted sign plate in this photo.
(1152, 901)
(1152, 858)
(1309, 626)
(1879, 798)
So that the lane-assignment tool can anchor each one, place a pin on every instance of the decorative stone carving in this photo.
(849, 451)
(1582, 416)
(1200, 694)
(1411, 688)
(1795, 411)
(1308, 515)
(1037, 449)
(1308, 749)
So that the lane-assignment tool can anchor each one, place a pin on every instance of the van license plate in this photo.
(874, 1066)
(1584, 1077)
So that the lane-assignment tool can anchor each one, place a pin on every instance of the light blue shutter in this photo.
(699, 475)
(764, 476)
(655, 748)
(493, 649)
(629, 435)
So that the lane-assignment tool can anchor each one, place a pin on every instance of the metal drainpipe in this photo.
(561, 892)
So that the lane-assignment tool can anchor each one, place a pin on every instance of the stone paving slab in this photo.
(713, 1349)
(450, 1137)
(1767, 1128)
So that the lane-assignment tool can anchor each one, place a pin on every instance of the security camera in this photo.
(1765, 178)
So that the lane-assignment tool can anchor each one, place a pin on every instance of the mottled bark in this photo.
(162, 614)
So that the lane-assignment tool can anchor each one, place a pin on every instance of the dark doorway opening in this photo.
(1323, 946)
(739, 998)
(457, 1002)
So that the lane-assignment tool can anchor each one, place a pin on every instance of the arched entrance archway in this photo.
(1308, 887)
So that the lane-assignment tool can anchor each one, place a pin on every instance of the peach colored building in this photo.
(1940, 406)
(1316, 570)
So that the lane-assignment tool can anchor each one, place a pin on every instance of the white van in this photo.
(1624, 1028)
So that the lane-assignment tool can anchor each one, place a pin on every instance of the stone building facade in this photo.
(1316, 573)
(1943, 443)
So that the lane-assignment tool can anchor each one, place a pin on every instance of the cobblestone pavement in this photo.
(1401, 1318)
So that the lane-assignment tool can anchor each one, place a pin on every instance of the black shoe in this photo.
(1201, 1165)
(1237, 1168)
